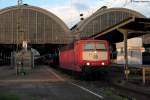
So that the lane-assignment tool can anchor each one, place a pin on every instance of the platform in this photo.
(42, 84)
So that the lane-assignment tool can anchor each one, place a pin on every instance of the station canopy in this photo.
(133, 26)
(32, 24)
(105, 22)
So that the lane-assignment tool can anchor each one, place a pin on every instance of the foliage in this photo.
(9, 97)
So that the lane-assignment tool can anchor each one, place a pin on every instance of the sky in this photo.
(69, 10)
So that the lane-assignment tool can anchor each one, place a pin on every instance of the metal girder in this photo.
(131, 19)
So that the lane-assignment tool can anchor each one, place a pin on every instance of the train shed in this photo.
(103, 19)
(33, 24)
(41, 29)
(114, 25)
(131, 26)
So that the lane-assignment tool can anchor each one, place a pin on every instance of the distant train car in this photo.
(48, 59)
(84, 55)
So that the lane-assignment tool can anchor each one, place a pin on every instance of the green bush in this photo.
(9, 97)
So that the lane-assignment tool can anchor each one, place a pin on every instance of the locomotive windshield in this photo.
(94, 46)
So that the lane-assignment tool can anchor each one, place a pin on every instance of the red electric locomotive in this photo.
(85, 54)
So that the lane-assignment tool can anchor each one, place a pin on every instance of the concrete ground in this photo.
(42, 83)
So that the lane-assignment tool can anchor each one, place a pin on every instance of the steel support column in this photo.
(125, 35)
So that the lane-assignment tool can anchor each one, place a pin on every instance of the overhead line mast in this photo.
(19, 23)
(20, 2)
(140, 0)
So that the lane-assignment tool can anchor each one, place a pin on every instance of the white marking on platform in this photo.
(81, 87)
(59, 77)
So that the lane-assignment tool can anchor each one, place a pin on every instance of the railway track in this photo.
(120, 88)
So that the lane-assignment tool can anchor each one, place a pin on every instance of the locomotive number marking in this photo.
(95, 56)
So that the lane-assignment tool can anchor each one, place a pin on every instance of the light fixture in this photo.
(103, 63)
(88, 64)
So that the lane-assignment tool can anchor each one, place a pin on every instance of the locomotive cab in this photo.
(95, 54)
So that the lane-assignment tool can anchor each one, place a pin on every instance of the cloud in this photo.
(141, 7)
(81, 7)
(70, 12)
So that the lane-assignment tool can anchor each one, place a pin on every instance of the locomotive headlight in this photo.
(103, 63)
(88, 64)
